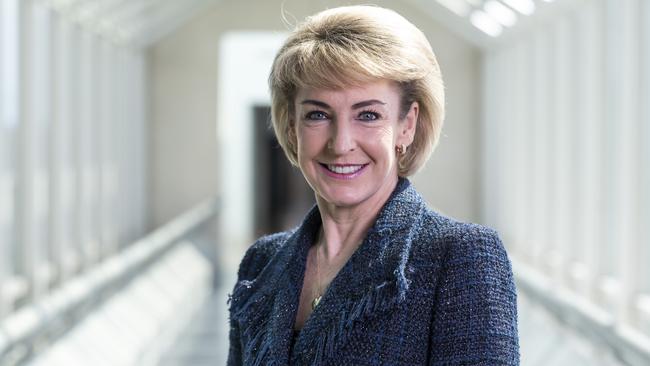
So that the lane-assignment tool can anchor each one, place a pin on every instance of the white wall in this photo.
(238, 93)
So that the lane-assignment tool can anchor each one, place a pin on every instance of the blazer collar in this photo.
(372, 281)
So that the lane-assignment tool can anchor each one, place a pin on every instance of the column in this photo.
(9, 124)
(34, 228)
(540, 178)
(590, 120)
(560, 126)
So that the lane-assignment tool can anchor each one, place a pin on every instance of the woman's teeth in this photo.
(346, 169)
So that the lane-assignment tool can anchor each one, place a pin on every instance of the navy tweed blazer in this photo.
(422, 289)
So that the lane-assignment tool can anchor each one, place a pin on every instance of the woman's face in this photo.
(347, 141)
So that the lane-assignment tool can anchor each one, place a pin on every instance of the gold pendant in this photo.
(315, 302)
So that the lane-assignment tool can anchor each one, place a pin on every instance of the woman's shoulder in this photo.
(437, 232)
(257, 257)
(460, 239)
(259, 254)
(475, 294)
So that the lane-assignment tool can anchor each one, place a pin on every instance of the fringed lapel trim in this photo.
(317, 343)
(266, 306)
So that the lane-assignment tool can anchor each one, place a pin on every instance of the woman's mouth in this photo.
(343, 171)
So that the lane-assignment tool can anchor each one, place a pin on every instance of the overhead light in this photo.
(500, 13)
(485, 23)
(526, 7)
(460, 7)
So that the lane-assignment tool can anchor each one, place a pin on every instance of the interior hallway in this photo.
(135, 168)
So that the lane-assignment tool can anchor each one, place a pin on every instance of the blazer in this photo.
(422, 289)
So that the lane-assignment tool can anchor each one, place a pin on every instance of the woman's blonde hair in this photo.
(348, 46)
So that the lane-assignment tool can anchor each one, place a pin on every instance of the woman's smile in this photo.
(343, 171)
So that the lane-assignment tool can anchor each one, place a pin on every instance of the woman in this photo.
(371, 276)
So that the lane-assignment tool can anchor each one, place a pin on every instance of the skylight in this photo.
(491, 16)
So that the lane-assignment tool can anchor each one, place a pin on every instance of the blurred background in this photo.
(137, 165)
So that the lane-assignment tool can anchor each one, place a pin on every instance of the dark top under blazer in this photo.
(422, 289)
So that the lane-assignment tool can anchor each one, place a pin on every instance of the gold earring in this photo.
(401, 149)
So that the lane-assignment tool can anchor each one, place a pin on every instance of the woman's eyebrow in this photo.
(317, 103)
(366, 103)
(358, 105)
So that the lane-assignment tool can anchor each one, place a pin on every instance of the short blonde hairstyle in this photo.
(352, 45)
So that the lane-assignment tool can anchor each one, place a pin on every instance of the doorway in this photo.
(282, 197)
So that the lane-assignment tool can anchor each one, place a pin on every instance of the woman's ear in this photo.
(408, 125)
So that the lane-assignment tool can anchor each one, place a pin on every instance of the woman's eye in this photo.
(368, 116)
(316, 116)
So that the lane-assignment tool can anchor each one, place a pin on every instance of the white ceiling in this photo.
(487, 22)
(136, 22)
(143, 22)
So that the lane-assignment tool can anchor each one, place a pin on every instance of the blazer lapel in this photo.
(371, 282)
(268, 314)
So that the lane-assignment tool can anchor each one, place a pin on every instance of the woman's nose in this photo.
(342, 140)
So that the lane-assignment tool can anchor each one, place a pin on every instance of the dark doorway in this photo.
(282, 197)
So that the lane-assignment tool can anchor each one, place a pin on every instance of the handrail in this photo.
(59, 311)
(599, 326)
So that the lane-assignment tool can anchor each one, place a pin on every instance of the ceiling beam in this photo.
(456, 24)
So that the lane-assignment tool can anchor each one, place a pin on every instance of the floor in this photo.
(204, 341)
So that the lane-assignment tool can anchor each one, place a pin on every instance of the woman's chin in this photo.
(341, 199)
(353, 193)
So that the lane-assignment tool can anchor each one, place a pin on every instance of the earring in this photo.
(401, 149)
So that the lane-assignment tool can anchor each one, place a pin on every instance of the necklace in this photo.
(319, 291)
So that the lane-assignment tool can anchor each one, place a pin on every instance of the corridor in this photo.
(137, 164)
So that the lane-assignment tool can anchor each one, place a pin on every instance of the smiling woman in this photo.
(372, 275)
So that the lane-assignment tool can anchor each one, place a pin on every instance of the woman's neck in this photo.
(344, 228)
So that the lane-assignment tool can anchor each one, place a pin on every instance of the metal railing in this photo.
(598, 326)
(27, 330)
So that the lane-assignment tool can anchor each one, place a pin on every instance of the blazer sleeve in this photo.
(234, 350)
(256, 257)
(250, 265)
(475, 312)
